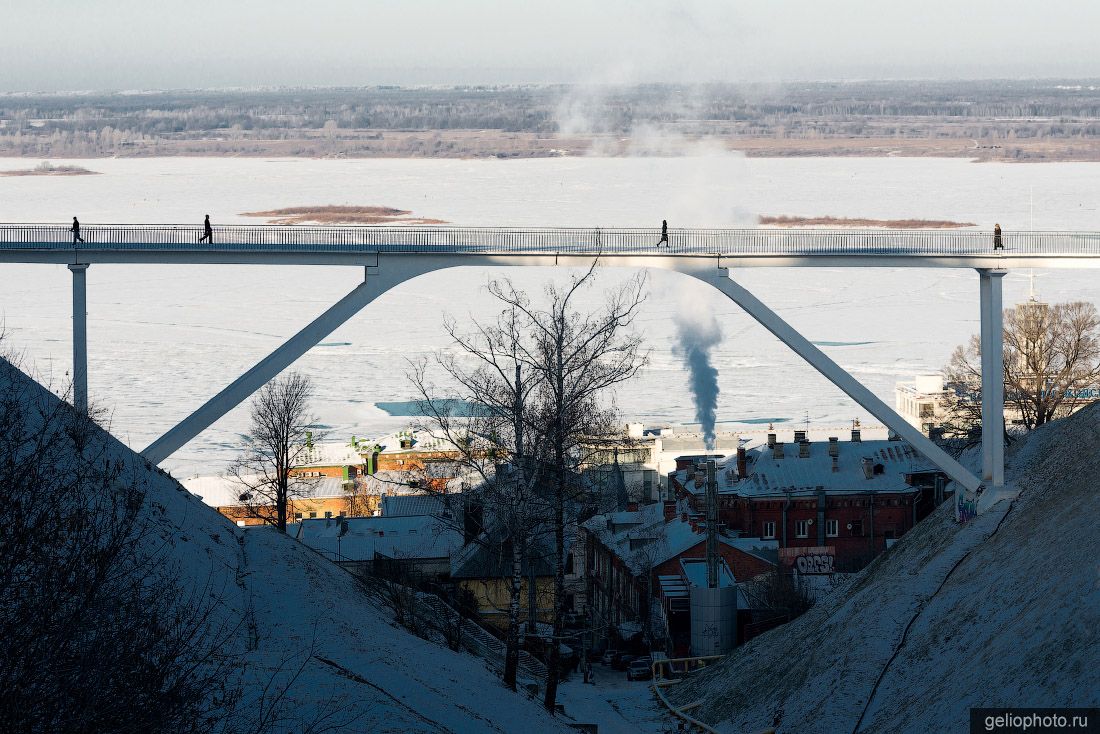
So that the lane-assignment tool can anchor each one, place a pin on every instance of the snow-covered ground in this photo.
(619, 706)
(163, 339)
(1003, 611)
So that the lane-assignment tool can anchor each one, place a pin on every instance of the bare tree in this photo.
(575, 358)
(540, 375)
(1051, 363)
(498, 430)
(278, 440)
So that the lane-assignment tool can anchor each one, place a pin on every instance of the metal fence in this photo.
(351, 239)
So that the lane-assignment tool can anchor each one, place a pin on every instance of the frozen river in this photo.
(162, 339)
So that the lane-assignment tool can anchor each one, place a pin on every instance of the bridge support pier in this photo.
(993, 388)
(839, 377)
(80, 337)
(265, 370)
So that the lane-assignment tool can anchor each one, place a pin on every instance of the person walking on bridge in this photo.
(664, 233)
(997, 237)
(207, 231)
(75, 229)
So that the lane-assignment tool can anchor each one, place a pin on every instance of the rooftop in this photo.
(225, 491)
(768, 475)
(649, 540)
(408, 537)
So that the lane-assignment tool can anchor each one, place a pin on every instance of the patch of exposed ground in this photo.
(48, 169)
(341, 215)
(845, 222)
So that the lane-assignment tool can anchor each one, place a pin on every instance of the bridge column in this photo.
(267, 369)
(839, 377)
(80, 337)
(993, 387)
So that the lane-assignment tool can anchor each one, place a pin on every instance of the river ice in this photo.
(162, 339)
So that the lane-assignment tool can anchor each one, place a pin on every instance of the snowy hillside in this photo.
(293, 602)
(1004, 611)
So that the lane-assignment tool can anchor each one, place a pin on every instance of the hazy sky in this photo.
(51, 45)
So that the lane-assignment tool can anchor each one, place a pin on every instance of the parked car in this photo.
(609, 657)
(640, 669)
(622, 661)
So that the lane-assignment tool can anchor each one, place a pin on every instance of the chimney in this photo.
(684, 516)
(834, 446)
(799, 436)
(700, 476)
(868, 467)
(670, 510)
(631, 506)
(771, 440)
(694, 524)
(836, 464)
(777, 450)
(803, 449)
(855, 436)
(742, 462)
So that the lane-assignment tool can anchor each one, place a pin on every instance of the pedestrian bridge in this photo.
(358, 245)
(390, 256)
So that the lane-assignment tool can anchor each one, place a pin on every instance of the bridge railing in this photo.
(338, 239)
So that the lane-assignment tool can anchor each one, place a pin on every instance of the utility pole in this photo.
(712, 524)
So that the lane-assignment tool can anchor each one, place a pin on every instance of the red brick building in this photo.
(637, 561)
(853, 497)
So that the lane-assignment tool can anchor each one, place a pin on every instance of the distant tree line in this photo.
(115, 124)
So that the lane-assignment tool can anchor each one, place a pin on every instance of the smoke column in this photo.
(697, 333)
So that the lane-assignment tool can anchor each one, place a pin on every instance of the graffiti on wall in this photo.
(818, 559)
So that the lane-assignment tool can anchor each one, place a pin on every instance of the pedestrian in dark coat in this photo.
(664, 233)
(997, 237)
(75, 229)
(207, 231)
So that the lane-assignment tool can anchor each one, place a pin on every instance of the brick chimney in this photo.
(855, 436)
(777, 450)
(803, 449)
(670, 510)
(834, 446)
(631, 506)
(771, 440)
(742, 462)
(684, 516)
(799, 436)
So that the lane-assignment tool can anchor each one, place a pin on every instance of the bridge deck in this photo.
(251, 243)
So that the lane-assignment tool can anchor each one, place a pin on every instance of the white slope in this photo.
(1003, 611)
(292, 602)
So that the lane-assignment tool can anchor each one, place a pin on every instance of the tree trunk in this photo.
(511, 653)
(554, 662)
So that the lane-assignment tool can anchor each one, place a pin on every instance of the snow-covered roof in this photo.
(768, 475)
(347, 453)
(403, 537)
(422, 504)
(225, 491)
(329, 453)
(652, 540)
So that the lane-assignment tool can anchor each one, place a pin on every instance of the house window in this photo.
(769, 530)
(802, 529)
(297, 516)
(313, 514)
(328, 515)
(832, 528)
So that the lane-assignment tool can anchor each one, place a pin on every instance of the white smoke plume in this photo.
(698, 333)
